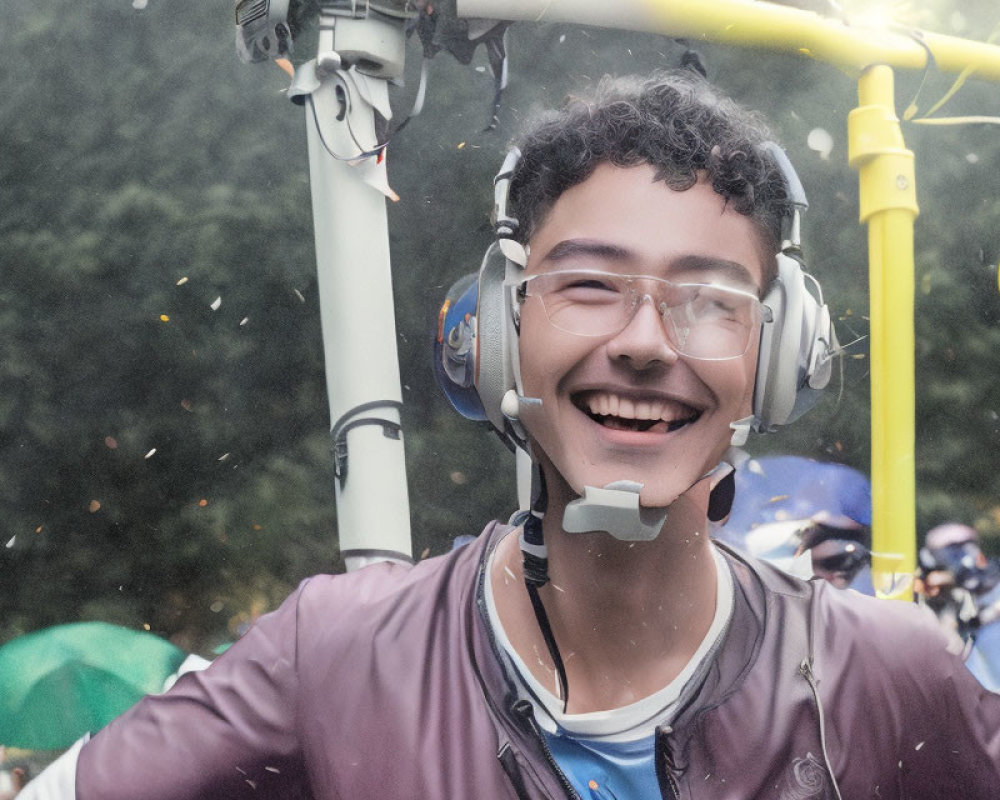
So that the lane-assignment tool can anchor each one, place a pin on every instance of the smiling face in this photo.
(628, 406)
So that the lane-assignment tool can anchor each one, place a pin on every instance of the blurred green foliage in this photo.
(166, 464)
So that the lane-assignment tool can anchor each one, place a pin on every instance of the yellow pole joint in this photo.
(876, 148)
(888, 204)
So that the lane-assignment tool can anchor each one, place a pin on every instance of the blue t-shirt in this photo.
(602, 770)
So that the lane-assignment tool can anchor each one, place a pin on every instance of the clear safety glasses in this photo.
(704, 321)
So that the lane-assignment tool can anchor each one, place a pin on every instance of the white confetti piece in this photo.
(820, 141)
(150, 454)
(216, 303)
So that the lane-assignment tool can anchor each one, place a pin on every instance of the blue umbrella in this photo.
(787, 505)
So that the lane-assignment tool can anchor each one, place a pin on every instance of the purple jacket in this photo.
(385, 683)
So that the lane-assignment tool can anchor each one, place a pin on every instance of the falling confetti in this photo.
(182, 281)
(150, 454)
(224, 457)
(95, 506)
(164, 318)
(244, 321)
(11, 542)
(139, 5)
(38, 529)
(111, 442)
(186, 405)
(203, 502)
(299, 295)
(145, 626)
(216, 303)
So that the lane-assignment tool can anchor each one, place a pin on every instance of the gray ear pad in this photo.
(495, 336)
(796, 345)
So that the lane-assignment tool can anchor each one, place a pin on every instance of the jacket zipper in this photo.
(523, 709)
(668, 784)
(806, 669)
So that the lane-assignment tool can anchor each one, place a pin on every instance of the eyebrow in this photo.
(570, 248)
(731, 271)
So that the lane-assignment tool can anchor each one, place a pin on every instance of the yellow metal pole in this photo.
(888, 204)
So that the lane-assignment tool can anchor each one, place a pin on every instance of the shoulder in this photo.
(388, 600)
(895, 630)
(389, 582)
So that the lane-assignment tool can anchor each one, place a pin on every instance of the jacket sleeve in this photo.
(226, 732)
(907, 716)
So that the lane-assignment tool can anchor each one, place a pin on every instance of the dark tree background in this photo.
(168, 465)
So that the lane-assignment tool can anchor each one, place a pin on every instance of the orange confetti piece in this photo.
(592, 784)
(95, 506)
(286, 66)
(203, 502)
(38, 529)
(111, 442)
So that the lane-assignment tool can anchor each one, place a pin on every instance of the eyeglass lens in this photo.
(701, 320)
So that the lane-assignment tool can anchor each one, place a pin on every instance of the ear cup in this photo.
(496, 339)
(793, 364)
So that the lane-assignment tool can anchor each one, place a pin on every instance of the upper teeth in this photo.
(607, 404)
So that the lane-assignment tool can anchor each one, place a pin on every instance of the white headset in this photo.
(797, 340)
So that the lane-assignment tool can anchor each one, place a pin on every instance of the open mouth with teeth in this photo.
(626, 414)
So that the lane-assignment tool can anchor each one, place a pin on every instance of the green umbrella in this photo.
(58, 683)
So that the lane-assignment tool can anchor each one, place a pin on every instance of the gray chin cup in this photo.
(614, 509)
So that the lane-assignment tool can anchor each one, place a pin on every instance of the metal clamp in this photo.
(390, 429)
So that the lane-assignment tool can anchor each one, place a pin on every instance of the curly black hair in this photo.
(675, 121)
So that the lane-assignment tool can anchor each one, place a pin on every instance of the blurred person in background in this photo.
(962, 586)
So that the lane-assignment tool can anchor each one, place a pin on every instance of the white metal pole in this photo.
(356, 304)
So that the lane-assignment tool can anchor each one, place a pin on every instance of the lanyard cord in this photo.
(536, 572)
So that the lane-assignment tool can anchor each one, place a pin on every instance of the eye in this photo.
(588, 288)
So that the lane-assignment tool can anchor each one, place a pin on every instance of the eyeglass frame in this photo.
(519, 294)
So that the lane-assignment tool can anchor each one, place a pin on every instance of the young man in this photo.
(603, 647)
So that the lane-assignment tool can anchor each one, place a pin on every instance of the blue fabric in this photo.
(602, 770)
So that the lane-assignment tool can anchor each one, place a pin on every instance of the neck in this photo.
(653, 601)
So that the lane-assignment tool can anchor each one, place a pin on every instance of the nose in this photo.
(643, 343)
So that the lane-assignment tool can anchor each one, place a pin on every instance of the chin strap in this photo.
(616, 510)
